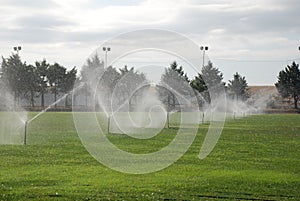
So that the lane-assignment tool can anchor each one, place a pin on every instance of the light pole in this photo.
(17, 49)
(106, 50)
(203, 48)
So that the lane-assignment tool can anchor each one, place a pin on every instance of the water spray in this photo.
(39, 114)
(36, 116)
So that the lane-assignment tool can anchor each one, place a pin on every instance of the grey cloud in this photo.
(199, 20)
(41, 35)
(42, 21)
(29, 3)
(30, 35)
(97, 3)
(285, 20)
(193, 19)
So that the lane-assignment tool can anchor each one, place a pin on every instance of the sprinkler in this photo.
(168, 119)
(25, 132)
(39, 114)
(108, 124)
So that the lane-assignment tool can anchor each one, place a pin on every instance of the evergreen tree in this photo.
(174, 66)
(56, 74)
(31, 85)
(174, 83)
(130, 81)
(42, 71)
(210, 79)
(90, 74)
(238, 87)
(109, 81)
(288, 84)
(13, 71)
(68, 83)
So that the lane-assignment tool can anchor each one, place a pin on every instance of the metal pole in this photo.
(203, 48)
(168, 119)
(106, 50)
(203, 58)
(17, 49)
(106, 58)
(202, 117)
(108, 124)
(25, 133)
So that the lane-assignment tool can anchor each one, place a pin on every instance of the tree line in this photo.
(29, 81)
(288, 82)
(209, 77)
(123, 82)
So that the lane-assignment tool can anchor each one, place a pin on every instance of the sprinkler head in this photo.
(25, 132)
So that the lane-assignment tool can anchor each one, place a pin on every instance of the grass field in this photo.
(256, 158)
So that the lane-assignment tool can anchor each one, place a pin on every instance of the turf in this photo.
(256, 158)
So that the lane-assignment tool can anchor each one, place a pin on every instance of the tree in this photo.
(30, 81)
(13, 74)
(174, 66)
(4, 105)
(108, 82)
(91, 72)
(2, 84)
(210, 79)
(174, 82)
(93, 68)
(130, 80)
(288, 84)
(27, 80)
(238, 87)
(56, 74)
(68, 82)
(42, 68)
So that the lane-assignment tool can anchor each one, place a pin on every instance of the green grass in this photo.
(256, 158)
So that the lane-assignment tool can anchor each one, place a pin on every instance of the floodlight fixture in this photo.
(106, 49)
(17, 49)
(203, 49)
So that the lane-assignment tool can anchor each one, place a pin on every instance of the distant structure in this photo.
(267, 97)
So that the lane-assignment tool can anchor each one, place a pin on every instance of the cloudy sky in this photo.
(256, 38)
